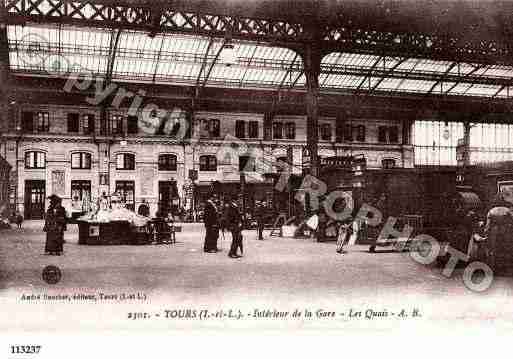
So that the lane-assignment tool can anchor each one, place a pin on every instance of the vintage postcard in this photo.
(254, 165)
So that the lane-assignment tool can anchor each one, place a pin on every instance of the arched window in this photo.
(35, 160)
(167, 162)
(125, 161)
(81, 160)
(208, 163)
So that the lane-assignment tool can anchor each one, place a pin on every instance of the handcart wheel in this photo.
(372, 249)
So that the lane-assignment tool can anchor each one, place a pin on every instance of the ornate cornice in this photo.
(277, 144)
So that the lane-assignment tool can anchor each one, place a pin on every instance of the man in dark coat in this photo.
(234, 223)
(260, 217)
(55, 225)
(211, 220)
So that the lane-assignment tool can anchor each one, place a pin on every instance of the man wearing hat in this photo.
(234, 223)
(211, 220)
(260, 217)
(55, 225)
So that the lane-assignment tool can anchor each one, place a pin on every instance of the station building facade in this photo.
(64, 150)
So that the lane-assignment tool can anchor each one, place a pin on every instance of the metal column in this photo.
(312, 64)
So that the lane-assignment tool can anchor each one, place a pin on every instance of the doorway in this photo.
(126, 190)
(168, 197)
(80, 197)
(35, 194)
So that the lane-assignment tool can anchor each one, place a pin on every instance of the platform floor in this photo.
(279, 273)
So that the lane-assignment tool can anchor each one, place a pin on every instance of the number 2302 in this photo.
(25, 349)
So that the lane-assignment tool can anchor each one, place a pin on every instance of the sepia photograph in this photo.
(253, 165)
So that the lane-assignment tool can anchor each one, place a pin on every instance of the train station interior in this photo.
(161, 104)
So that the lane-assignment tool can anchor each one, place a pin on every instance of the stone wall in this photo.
(58, 146)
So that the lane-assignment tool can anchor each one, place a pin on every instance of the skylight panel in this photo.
(482, 90)
(415, 85)
(351, 81)
(330, 58)
(505, 92)
(499, 71)
(408, 65)
(52, 48)
(433, 66)
(389, 83)
(462, 69)
(460, 88)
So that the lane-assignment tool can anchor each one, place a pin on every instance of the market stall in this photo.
(114, 227)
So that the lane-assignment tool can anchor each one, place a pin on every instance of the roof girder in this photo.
(393, 72)
(342, 34)
(33, 88)
(114, 41)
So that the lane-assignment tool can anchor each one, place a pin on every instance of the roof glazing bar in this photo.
(477, 68)
(249, 64)
(158, 60)
(332, 69)
(369, 73)
(440, 80)
(392, 69)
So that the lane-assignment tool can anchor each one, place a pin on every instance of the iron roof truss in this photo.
(144, 42)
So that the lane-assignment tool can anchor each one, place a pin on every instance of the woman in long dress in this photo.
(55, 225)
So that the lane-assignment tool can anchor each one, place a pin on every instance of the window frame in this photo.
(210, 164)
(382, 134)
(88, 123)
(385, 163)
(171, 166)
(290, 130)
(42, 121)
(277, 130)
(395, 130)
(361, 131)
(118, 119)
(240, 129)
(74, 119)
(210, 128)
(125, 162)
(325, 132)
(215, 128)
(36, 160)
(253, 129)
(387, 131)
(82, 160)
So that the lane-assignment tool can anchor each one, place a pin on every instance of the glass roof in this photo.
(172, 58)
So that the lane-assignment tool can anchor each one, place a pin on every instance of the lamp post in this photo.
(243, 194)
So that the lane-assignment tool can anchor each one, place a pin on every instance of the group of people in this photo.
(218, 217)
